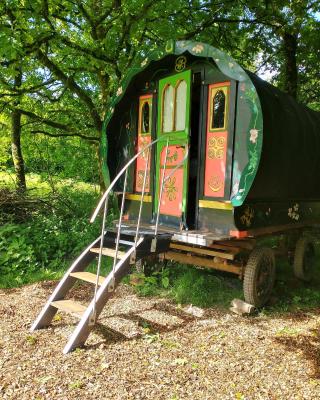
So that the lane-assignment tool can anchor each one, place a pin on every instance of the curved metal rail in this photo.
(104, 202)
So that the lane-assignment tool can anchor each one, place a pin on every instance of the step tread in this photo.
(126, 242)
(88, 277)
(108, 252)
(69, 306)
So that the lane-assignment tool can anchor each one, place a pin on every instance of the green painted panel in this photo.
(248, 136)
(179, 138)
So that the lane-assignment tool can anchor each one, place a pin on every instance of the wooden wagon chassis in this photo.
(241, 256)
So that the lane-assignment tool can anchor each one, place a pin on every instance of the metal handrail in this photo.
(104, 201)
(112, 184)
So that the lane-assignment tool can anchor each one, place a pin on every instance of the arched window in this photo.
(145, 118)
(218, 110)
(180, 106)
(167, 115)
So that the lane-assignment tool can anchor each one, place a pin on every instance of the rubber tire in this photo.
(251, 276)
(298, 262)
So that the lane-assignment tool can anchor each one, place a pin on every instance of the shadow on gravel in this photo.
(153, 328)
(308, 344)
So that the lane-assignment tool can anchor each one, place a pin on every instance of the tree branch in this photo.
(74, 134)
(69, 82)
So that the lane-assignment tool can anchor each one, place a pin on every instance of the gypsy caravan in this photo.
(206, 160)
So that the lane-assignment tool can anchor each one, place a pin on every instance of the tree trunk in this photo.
(16, 142)
(101, 180)
(290, 45)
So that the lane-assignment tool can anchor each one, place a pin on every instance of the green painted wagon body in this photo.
(253, 154)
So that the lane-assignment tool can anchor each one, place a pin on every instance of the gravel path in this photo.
(148, 348)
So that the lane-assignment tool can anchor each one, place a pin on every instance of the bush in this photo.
(54, 232)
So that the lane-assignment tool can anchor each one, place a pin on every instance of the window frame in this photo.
(142, 101)
(174, 109)
(213, 90)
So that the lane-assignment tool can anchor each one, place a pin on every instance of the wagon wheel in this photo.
(259, 276)
(304, 259)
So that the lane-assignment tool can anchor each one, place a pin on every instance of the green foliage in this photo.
(204, 288)
(43, 246)
(60, 157)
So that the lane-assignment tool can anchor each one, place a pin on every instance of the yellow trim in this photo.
(215, 204)
(137, 197)
(141, 104)
(213, 92)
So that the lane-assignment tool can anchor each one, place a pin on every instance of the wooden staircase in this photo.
(125, 247)
(106, 284)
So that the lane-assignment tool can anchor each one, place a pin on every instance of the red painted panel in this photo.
(141, 164)
(215, 167)
(175, 155)
(216, 152)
(171, 203)
(143, 139)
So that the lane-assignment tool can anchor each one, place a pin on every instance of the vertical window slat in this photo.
(167, 114)
(181, 106)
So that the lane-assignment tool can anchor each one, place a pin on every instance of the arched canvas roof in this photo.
(248, 136)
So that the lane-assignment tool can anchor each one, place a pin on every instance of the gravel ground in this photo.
(148, 348)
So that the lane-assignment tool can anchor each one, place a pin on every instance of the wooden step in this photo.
(108, 252)
(70, 307)
(87, 277)
(126, 242)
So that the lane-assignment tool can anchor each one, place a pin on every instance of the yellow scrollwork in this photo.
(140, 179)
(215, 183)
(170, 189)
(216, 147)
(181, 63)
(144, 143)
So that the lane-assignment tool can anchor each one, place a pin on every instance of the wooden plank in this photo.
(70, 307)
(199, 250)
(87, 277)
(202, 262)
(108, 252)
(240, 244)
(279, 228)
(230, 249)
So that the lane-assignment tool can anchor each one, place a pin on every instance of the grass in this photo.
(291, 294)
(206, 288)
(189, 285)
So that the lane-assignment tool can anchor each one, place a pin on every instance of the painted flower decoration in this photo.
(293, 212)
(119, 91)
(231, 65)
(144, 62)
(253, 135)
(198, 48)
